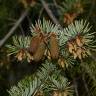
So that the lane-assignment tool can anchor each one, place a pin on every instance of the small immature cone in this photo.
(37, 56)
(85, 53)
(34, 44)
(48, 54)
(75, 46)
(74, 54)
(61, 62)
(70, 47)
(29, 57)
(69, 18)
(20, 55)
(54, 47)
(56, 93)
(65, 94)
(79, 53)
(79, 41)
(39, 93)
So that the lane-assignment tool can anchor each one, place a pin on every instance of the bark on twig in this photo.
(85, 85)
(40, 13)
(11, 31)
(54, 1)
(76, 87)
(45, 5)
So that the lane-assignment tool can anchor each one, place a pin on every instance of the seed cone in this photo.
(79, 53)
(70, 47)
(61, 62)
(54, 47)
(39, 93)
(47, 54)
(59, 93)
(34, 44)
(79, 41)
(20, 55)
(29, 57)
(37, 56)
(69, 18)
(76, 47)
(56, 93)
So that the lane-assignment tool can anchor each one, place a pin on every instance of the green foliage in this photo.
(19, 42)
(45, 27)
(72, 6)
(78, 28)
(61, 84)
(45, 77)
(43, 80)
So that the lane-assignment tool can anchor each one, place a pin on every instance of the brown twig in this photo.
(85, 85)
(11, 31)
(55, 3)
(22, 30)
(40, 13)
(45, 5)
(76, 86)
(29, 20)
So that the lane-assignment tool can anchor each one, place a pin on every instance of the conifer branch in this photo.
(48, 77)
(55, 3)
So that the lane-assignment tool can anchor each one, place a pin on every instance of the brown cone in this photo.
(37, 56)
(54, 47)
(79, 41)
(34, 44)
(69, 18)
(70, 47)
(61, 62)
(79, 53)
(59, 93)
(20, 55)
(39, 93)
